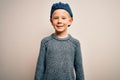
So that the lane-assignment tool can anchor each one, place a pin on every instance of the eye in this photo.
(63, 18)
(55, 17)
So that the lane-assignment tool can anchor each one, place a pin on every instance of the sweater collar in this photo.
(66, 38)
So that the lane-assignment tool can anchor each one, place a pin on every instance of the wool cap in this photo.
(61, 5)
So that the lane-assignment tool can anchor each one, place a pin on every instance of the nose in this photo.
(59, 20)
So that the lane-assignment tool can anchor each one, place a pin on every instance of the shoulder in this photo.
(46, 39)
(75, 41)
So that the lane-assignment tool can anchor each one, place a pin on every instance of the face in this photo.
(61, 20)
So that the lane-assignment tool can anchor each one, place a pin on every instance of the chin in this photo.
(59, 31)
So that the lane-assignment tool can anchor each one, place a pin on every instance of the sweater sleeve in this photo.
(40, 67)
(78, 63)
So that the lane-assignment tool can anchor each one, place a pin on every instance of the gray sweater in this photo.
(59, 58)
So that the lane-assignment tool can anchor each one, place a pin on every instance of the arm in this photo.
(40, 67)
(78, 63)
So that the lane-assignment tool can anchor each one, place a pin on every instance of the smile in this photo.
(59, 25)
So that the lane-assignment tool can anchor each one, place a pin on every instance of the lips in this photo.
(59, 26)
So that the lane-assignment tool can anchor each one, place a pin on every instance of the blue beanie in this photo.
(61, 5)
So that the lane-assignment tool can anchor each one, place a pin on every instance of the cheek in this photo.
(53, 22)
(69, 22)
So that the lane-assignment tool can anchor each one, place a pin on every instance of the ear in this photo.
(51, 21)
(70, 21)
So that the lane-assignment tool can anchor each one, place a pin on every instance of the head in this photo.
(61, 16)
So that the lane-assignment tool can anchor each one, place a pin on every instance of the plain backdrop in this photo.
(23, 23)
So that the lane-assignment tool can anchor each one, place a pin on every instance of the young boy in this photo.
(60, 53)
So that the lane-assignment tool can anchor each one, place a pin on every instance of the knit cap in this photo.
(61, 5)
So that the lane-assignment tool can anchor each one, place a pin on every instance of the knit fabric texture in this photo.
(59, 58)
(61, 5)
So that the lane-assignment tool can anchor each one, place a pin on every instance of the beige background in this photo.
(23, 23)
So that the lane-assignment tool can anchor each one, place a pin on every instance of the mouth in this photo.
(59, 26)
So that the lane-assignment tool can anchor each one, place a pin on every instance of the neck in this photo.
(61, 35)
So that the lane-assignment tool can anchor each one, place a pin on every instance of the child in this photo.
(60, 53)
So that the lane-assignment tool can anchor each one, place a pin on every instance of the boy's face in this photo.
(61, 20)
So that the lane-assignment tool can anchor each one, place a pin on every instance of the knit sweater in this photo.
(59, 58)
